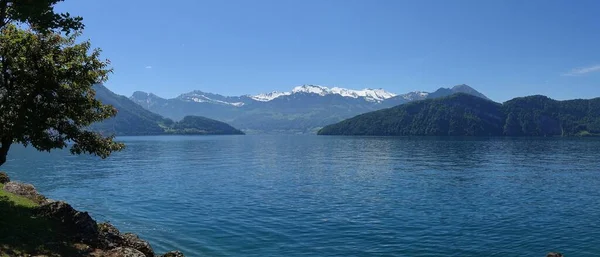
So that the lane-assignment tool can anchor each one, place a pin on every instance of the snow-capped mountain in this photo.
(202, 97)
(301, 110)
(269, 96)
(415, 96)
(371, 95)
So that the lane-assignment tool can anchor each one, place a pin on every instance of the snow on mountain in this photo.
(201, 97)
(268, 96)
(204, 99)
(416, 95)
(319, 90)
(368, 94)
(372, 95)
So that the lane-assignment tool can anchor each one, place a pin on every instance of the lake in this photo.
(336, 196)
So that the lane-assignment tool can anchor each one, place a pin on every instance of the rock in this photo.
(82, 248)
(173, 254)
(109, 237)
(26, 190)
(124, 252)
(98, 240)
(133, 241)
(78, 224)
(553, 254)
(4, 178)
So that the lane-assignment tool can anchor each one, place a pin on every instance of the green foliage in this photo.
(466, 115)
(457, 115)
(24, 234)
(46, 94)
(17, 200)
(38, 14)
(542, 116)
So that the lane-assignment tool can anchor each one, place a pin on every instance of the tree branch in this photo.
(6, 142)
(3, 14)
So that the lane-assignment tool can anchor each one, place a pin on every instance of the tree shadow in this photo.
(22, 233)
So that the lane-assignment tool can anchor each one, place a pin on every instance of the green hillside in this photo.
(467, 115)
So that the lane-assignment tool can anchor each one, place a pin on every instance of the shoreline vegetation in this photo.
(33, 225)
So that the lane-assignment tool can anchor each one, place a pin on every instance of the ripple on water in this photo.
(337, 196)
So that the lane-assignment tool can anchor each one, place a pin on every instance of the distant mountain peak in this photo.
(143, 94)
(464, 88)
(265, 97)
(202, 97)
(460, 85)
(372, 95)
(146, 99)
(415, 95)
(312, 89)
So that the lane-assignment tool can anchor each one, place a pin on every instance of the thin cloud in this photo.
(582, 71)
(148, 67)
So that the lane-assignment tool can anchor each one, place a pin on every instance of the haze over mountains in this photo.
(304, 109)
(132, 119)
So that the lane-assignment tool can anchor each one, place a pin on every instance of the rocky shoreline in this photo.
(88, 237)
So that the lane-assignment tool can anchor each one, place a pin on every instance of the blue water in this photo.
(336, 196)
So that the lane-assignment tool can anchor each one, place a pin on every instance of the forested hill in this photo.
(132, 119)
(467, 115)
(541, 116)
(201, 125)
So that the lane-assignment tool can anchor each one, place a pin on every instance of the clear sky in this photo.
(503, 48)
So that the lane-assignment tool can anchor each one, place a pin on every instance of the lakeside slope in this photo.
(32, 225)
(467, 115)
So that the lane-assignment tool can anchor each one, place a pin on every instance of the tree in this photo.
(38, 14)
(46, 94)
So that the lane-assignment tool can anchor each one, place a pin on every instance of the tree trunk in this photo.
(6, 142)
(3, 10)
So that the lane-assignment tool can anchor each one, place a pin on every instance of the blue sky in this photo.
(502, 48)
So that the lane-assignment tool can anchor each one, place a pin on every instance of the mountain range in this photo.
(132, 119)
(304, 109)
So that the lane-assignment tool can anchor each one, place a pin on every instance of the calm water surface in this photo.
(336, 196)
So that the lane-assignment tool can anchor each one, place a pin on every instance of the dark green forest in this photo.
(201, 125)
(466, 115)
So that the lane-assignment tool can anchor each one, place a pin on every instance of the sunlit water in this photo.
(336, 196)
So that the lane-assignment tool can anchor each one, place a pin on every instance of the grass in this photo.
(17, 200)
(586, 133)
(21, 232)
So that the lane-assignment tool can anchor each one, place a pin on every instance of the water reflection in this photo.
(336, 196)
